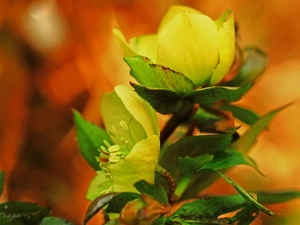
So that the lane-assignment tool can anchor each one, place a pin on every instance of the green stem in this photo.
(183, 114)
(172, 198)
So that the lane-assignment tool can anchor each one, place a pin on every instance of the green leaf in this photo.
(36, 219)
(213, 94)
(189, 166)
(154, 190)
(247, 116)
(20, 208)
(204, 119)
(244, 143)
(162, 100)
(273, 197)
(2, 174)
(193, 146)
(119, 201)
(97, 205)
(246, 216)
(245, 194)
(208, 208)
(218, 161)
(90, 137)
(254, 65)
(229, 158)
(21, 213)
(156, 76)
(57, 221)
(161, 221)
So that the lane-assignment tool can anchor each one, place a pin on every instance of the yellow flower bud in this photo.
(189, 42)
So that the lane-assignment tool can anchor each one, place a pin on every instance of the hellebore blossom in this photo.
(188, 42)
(132, 125)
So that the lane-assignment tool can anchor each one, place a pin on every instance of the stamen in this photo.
(115, 154)
(108, 175)
(103, 149)
(103, 164)
(122, 140)
(106, 143)
(105, 169)
(114, 148)
(114, 129)
(103, 155)
(114, 159)
(111, 133)
(124, 125)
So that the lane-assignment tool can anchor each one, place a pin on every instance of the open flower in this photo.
(190, 43)
(133, 128)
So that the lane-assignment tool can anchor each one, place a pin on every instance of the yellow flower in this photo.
(133, 128)
(188, 42)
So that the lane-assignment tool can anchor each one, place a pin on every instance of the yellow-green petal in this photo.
(128, 50)
(113, 112)
(100, 184)
(226, 45)
(138, 108)
(174, 11)
(139, 164)
(189, 44)
(145, 46)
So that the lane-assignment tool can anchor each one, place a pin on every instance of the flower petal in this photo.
(139, 164)
(226, 45)
(145, 46)
(113, 111)
(128, 50)
(139, 109)
(174, 11)
(98, 185)
(189, 44)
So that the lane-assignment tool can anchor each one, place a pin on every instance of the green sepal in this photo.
(246, 195)
(162, 100)
(154, 190)
(119, 201)
(90, 137)
(245, 142)
(245, 115)
(157, 76)
(253, 66)
(210, 95)
(2, 175)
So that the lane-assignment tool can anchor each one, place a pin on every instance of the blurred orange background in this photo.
(61, 55)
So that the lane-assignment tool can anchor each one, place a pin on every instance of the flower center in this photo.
(111, 154)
